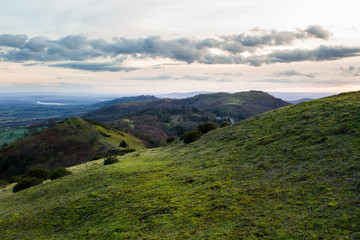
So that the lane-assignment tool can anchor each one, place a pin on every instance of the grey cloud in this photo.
(318, 32)
(237, 43)
(323, 53)
(74, 41)
(79, 48)
(351, 70)
(277, 80)
(94, 67)
(293, 72)
(16, 41)
(39, 44)
(177, 78)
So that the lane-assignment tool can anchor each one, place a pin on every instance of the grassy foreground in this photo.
(292, 173)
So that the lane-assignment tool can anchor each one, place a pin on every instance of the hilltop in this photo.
(124, 100)
(156, 120)
(66, 143)
(291, 173)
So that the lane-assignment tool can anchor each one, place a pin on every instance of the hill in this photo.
(291, 173)
(156, 120)
(67, 143)
(124, 100)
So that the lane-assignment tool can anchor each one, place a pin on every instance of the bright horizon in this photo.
(158, 47)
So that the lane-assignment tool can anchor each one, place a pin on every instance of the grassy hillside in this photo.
(67, 143)
(156, 120)
(292, 173)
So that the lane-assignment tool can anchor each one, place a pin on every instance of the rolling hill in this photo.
(291, 173)
(67, 143)
(156, 120)
(123, 100)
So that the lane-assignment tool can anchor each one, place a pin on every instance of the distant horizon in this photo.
(287, 96)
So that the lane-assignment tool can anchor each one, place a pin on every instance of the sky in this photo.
(130, 47)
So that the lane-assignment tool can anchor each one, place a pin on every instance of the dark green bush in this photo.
(225, 124)
(40, 173)
(14, 179)
(59, 172)
(123, 144)
(26, 183)
(110, 160)
(3, 183)
(170, 139)
(97, 156)
(191, 136)
(207, 127)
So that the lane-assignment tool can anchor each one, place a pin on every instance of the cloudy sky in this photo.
(159, 46)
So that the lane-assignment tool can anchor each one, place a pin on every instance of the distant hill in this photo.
(158, 119)
(124, 100)
(290, 173)
(67, 143)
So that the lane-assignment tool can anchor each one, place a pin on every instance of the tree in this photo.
(207, 127)
(26, 183)
(123, 144)
(59, 172)
(191, 136)
(225, 124)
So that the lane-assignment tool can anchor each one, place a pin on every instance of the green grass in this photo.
(117, 136)
(292, 173)
(11, 135)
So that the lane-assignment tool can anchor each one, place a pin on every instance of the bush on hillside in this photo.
(123, 144)
(191, 136)
(26, 183)
(3, 183)
(225, 124)
(110, 160)
(14, 179)
(170, 139)
(40, 173)
(59, 172)
(207, 127)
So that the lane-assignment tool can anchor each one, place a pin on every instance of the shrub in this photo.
(110, 160)
(97, 156)
(170, 139)
(40, 173)
(3, 183)
(207, 127)
(191, 136)
(26, 183)
(123, 144)
(225, 124)
(59, 172)
(14, 179)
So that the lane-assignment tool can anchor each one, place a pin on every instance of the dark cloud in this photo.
(230, 48)
(94, 67)
(16, 41)
(323, 53)
(318, 32)
(39, 44)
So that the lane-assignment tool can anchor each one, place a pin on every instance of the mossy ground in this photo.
(292, 173)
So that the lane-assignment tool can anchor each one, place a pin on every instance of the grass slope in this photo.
(292, 173)
(67, 143)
